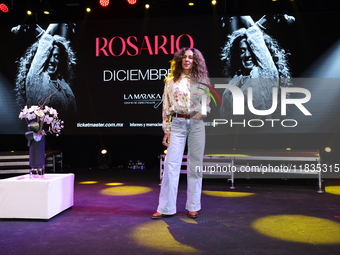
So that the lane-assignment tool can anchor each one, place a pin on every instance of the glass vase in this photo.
(37, 158)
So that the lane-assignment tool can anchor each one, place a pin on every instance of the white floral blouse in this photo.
(183, 97)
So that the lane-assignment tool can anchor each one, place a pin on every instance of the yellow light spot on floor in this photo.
(227, 155)
(88, 182)
(299, 228)
(156, 235)
(333, 190)
(188, 220)
(114, 183)
(226, 193)
(125, 190)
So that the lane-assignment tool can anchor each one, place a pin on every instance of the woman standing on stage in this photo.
(185, 103)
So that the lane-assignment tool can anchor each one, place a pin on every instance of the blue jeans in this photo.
(183, 130)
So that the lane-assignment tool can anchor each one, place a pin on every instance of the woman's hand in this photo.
(198, 116)
(166, 139)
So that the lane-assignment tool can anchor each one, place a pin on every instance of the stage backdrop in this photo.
(114, 72)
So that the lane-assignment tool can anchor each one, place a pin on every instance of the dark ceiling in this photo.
(74, 10)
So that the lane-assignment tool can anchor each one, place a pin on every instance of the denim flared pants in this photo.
(182, 130)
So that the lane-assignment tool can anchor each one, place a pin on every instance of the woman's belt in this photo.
(185, 116)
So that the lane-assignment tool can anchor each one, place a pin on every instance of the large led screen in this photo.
(269, 73)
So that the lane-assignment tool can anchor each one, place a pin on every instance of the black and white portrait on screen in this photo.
(253, 59)
(46, 70)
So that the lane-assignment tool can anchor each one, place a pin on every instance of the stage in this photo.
(103, 72)
(112, 210)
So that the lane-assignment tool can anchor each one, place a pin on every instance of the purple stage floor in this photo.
(112, 210)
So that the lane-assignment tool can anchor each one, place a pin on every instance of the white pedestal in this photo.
(36, 198)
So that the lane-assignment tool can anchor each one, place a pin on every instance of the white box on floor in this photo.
(23, 197)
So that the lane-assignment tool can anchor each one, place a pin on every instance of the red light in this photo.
(132, 2)
(104, 3)
(4, 8)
